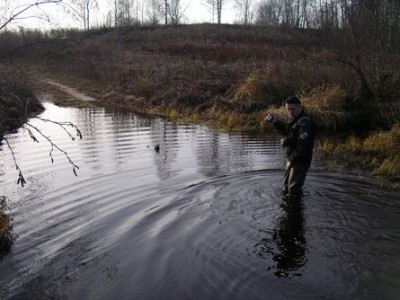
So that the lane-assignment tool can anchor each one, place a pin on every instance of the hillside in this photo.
(206, 67)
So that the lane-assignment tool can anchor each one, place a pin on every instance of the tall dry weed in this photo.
(326, 104)
(266, 86)
(384, 141)
(390, 167)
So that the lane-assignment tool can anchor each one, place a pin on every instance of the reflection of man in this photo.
(287, 245)
(299, 131)
(290, 240)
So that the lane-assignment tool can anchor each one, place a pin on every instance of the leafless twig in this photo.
(21, 179)
(32, 129)
(53, 145)
(17, 13)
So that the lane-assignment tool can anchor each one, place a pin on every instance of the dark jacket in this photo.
(299, 133)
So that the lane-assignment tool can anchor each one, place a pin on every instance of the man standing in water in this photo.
(299, 132)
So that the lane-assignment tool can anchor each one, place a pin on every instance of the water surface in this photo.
(202, 218)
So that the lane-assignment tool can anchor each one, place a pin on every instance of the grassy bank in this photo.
(17, 101)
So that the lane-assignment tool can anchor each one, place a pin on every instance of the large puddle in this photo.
(202, 218)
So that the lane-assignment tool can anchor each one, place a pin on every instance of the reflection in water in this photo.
(290, 240)
(186, 221)
(286, 244)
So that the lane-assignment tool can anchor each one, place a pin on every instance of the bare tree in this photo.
(166, 5)
(220, 4)
(175, 11)
(216, 6)
(154, 11)
(142, 8)
(304, 19)
(81, 10)
(87, 6)
(269, 13)
(116, 12)
(304, 13)
(126, 12)
(244, 10)
(212, 7)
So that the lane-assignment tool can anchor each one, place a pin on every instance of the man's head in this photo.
(293, 106)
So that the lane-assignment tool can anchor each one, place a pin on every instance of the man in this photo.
(299, 132)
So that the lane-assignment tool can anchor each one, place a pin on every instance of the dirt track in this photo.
(69, 90)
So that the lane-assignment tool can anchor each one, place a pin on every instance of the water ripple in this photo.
(203, 218)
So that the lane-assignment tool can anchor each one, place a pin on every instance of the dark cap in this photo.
(292, 100)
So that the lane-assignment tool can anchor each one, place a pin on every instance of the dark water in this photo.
(202, 218)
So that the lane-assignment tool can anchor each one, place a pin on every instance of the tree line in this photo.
(372, 24)
(383, 16)
(327, 13)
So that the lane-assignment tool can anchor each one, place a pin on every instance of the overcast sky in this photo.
(196, 12)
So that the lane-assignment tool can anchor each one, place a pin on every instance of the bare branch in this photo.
(21, 179)
(62, 124)
(53, 145)
(19, 10)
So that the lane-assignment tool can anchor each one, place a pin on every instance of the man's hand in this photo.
(270, 118)
(288, 164)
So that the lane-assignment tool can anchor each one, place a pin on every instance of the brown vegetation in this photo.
(17, 102)
(226, 75)
(204, 68)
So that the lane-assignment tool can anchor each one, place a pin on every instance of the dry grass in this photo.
(386, 144)
(264, 87)
(224, 76)
(377, 152)
(7, 237)
(326, 104)
(390, 167)
(384, 141)
(204, 67)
